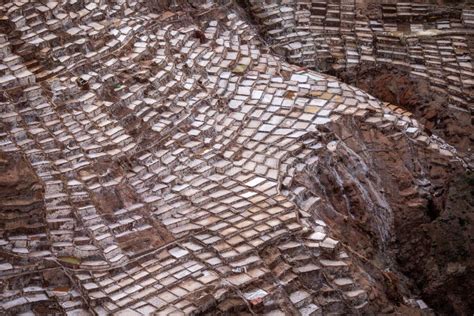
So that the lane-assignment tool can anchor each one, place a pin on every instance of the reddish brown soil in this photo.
(438, 115)
(21, 196)
(410, 210)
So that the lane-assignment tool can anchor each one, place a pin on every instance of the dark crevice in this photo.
(431, 210)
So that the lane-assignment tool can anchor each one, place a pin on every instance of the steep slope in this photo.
(187, 169)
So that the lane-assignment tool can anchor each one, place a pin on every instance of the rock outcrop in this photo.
(21, 196)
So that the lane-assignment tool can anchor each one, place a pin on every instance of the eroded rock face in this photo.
(431, 108)
(445, 245)
(21, 196)
(410, 210)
